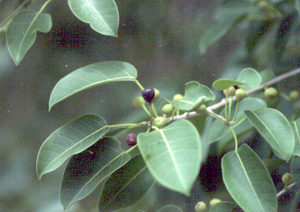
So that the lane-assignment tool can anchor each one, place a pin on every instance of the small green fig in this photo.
(177, 97)
(157, 94)
(240, 94)
(167, 109)
(230, 90)
(138, 101)
(294, 96)
(214, 201)
(271, 93)
(201, 109)
(200, 206)
(160, 121)
(287, 178)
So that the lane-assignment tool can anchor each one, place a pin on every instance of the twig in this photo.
(285, 190)
(249, 92)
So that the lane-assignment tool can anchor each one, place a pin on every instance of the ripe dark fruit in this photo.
(131, 139)
(148, 94)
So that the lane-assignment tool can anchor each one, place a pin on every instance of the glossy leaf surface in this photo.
(68, 140)
(173, 155)
(296, 129)
(195, 95)
(21, 32)
(250, 77)
(102, 15)
(275, 129)
(223, 207)
(219, 130)
(126, 186)
(91, 76)
(87, 169)
(248, 181)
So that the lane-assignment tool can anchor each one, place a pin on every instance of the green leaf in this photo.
(173, 155)
(126, 186)
(250, 77)
(102, 15)
(248, 181)
(195, 95)
(297, 5)
(295, 170)
(275, 129)
(170, 208)
(222, 84)
(217, 31)
(91, 76)
(219, 130)
(68, 140)
(223, 206)
(21, 32)
(87, 169)
(296, 129)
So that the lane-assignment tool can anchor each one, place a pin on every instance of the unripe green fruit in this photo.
(214, 201)
(177, 97)
(167, 109)
(230, 90)
(157, 93)
(240, 94)
(287, 178)
(271, 93)
(263, 5)
(201, 109)
(294, 96)
(138, 101)
(160, 121)
(200, 207)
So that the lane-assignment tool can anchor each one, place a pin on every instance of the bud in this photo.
(230, 90)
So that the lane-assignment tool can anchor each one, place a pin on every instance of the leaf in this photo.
(219, 130)
(173, 155)
(102, 15)
(87, 169)
(297, 5)
(275, 129)
(296, 130)
(222, 84)
(170, 208)
(195, 95)
(91, 76)
(223, 206)
(295, 170)
(68, 140)
(126, 186)
(250, 77)
(248, 181)
(21, 32)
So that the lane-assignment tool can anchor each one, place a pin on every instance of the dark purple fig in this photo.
(131, 139)
(148, 94)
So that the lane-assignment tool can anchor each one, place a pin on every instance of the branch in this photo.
(285, 190)
(249, 92)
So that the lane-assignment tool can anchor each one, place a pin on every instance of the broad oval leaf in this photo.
(275, 129)
(194, 96)
(102, 15)
(87, 169)
(68, 140)
(222, 84)
(295, 170)
(223, 206)
(219, 130)
(248, 181)
(173, 155)
(296, 129)
(126, 186)
(170, 208)
(250, 77)
(91, 76)
(21, 32)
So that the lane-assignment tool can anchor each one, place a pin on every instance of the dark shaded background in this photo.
(160, 38)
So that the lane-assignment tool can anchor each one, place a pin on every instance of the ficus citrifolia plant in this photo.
(169, 150)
